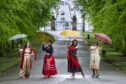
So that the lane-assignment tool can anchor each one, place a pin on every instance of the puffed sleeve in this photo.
(92, 48)
(32, 51)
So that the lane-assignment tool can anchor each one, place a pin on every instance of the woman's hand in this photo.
(76, 47)
(66, 49)
(19, 58)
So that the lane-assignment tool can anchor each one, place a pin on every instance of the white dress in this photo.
(94, 57)
(25, 71)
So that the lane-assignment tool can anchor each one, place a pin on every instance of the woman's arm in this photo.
(20, 52)
(33, 51)
(91, 48)
(44, 48)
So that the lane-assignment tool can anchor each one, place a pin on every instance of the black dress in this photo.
(48, 49)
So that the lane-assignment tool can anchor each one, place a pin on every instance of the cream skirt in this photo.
(25, 71)
(94, 61)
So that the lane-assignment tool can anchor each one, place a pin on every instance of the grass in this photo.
(7, 62)
(114, 54)
(121, 65)
(108, 49)
(116, 59)
(88, 40)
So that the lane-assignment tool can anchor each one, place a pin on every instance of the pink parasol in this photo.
(103, 37)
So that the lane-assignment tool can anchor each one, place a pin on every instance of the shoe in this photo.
(83, 76)
(97, 76)
(49, 76)
(73, 77)
(93, 76)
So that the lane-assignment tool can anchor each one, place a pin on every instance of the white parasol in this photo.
(18, 36)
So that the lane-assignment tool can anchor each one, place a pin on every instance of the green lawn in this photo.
(116, 59)
(7, 62)
(120, 64)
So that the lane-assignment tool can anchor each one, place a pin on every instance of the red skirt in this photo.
(49, 67)
(73, 64)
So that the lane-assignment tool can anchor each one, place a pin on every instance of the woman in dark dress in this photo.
(49, 67)
(73, 63)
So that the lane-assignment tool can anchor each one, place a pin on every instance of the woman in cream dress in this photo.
(26, 60)
(95, 59)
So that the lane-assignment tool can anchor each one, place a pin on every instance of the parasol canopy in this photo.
(18, 36)
(70, 33)
(45, 37)
(103, 37)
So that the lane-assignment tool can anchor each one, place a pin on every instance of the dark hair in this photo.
(97, 44)
(50, 41)
(75, 41)
(70, 44)
(26, 45)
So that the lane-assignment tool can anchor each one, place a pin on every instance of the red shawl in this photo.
(22, 56)
(75, 62)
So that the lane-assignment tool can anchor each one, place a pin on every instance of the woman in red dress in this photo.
(49, 67)
(73, 63)
(26, 62)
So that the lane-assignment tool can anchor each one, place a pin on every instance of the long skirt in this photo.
(49, 67)
(94, 61)
(27, 64)
(73, 64)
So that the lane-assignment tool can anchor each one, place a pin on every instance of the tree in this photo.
(23, 16)
(109, 17)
